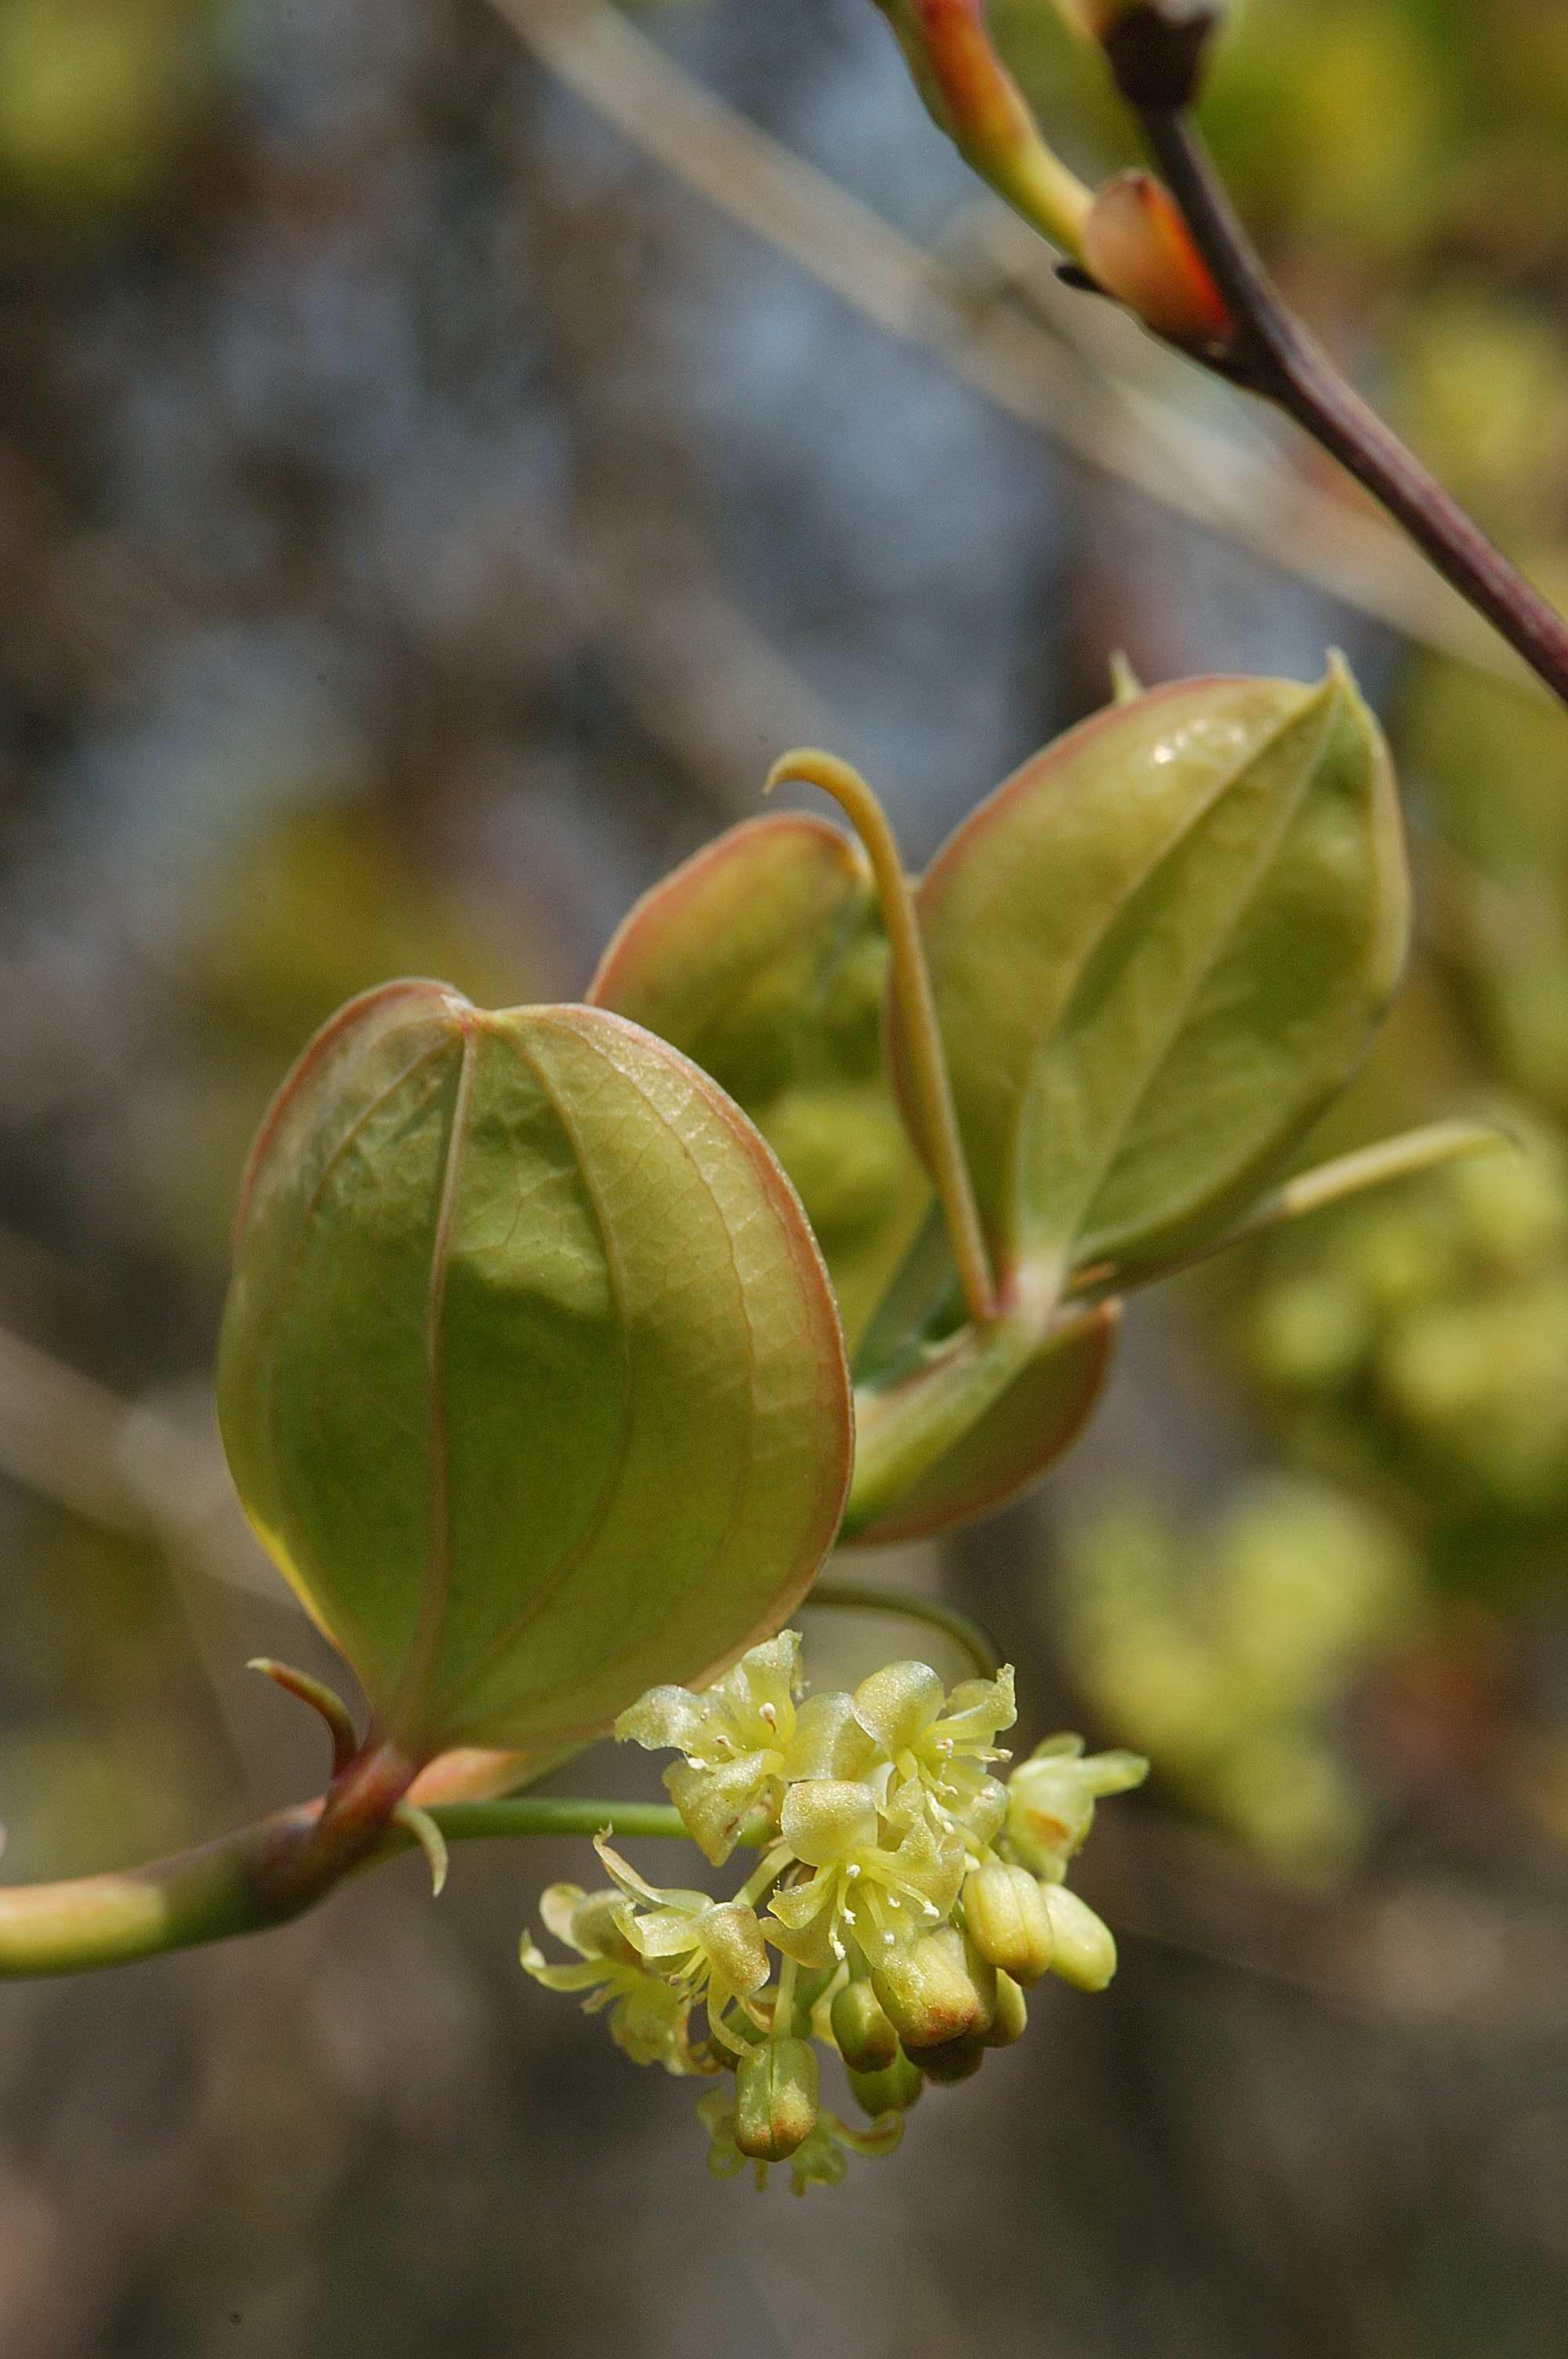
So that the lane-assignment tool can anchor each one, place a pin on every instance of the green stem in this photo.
(915, 1003)
(255, 1879)
(783, 2005)
(865, 1597)
(529, 1814)
(106, 1921)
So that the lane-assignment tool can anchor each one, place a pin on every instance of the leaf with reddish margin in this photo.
(1032, 1421)
(763, 958)
(1158, 951)
(530, 1378)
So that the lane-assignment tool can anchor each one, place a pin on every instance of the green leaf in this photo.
(1158, 951)
(1013, 1412)
(530, 1378)
(763, 958)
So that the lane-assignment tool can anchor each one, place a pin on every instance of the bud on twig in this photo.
(954, 2060)
(971, 96)
(1010, 2020)
(930, 1992)
(1139, 248)
(1156, 48)
(1085, 1949)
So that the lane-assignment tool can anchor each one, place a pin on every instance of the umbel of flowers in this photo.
(903, 1899)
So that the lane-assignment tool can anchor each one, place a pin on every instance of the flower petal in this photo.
(828, 1741)
(825, 1820)
(714, 1802)
(770, 1675)
(978, 1710)
(663, 1934)
(556, 1904)
(582, 1975)
(898, 1705)
(665, 1716)
(731, 1939)
(635, 1886)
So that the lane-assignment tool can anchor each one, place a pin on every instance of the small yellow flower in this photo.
(744, 1738)
(1051, 1800)
(648, 2016)
(703, 1948)
(940, 1745)
(862, 1889)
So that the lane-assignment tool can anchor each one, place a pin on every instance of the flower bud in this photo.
(1008, 1920)
(892, 2091)
(984, 1977)
(867, 2040)
(929, 1991)
(1011, 2019)
(1085, 1948)
(775, 2099)
(953, 2059)
(1139, 248)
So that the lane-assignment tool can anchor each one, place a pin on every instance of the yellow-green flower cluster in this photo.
(903, 1899)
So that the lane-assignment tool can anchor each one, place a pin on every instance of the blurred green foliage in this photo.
(1229, 1651)
(98, 98)
(1419, 1346)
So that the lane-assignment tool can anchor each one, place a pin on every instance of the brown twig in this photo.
(1271, 353)
(1056, 380)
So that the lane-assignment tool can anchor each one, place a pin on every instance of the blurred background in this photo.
(446, 453)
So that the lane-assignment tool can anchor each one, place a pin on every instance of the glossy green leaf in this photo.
(763, 958)
(1157, 952)
(530, 1378)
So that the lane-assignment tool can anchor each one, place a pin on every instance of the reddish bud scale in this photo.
(1139, 247)
(986, 112)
